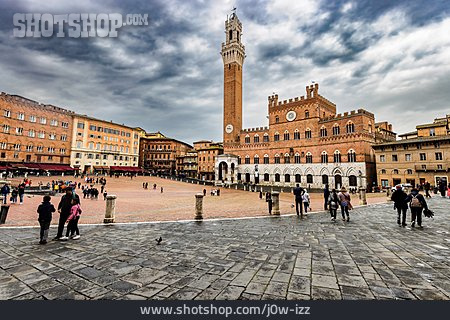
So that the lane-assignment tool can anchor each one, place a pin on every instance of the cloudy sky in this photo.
(390, 57)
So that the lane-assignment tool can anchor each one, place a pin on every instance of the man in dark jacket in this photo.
(442, 187)
(399, 197)
(416, 203)
(5, 191)
(64, 207)
(21, 192)
(427, 188)
(45, 211)
(326, 195)
(298, 193)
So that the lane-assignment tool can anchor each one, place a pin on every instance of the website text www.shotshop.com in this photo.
(269, 309)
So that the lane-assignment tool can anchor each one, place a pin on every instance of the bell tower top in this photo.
(232, 49)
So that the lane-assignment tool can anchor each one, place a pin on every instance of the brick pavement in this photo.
(257, 258)
(135, 204)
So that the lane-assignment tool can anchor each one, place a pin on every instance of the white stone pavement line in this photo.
(182, 221)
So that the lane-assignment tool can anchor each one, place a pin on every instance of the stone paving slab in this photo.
(265, 258)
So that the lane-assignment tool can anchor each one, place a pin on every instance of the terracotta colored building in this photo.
(33, 135)
(306, 141)
(158, 153)
(418, 157)
(207, 152)
(187, 165)
(100, 146)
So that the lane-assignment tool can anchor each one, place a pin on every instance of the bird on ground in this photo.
(158, 241)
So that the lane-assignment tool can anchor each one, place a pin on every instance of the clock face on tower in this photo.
(291, 115)
(229, 128)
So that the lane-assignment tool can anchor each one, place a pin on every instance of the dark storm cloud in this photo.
(167, 76)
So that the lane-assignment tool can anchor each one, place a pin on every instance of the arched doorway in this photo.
(338, 181)
(247, 177)
(223, 171)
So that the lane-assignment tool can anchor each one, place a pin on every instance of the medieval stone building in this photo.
(306, 141)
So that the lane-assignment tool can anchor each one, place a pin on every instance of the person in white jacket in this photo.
(306, 201)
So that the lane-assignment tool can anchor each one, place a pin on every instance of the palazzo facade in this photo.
(306, 141)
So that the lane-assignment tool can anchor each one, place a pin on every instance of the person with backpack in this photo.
(417, 204)
(344, 199)
(399, 197)
(333, 204)
(45, 211)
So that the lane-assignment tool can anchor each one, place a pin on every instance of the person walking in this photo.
(5, 192)
(21, 192)
(399, 197)
(260, 194)
(417, 204)
(64, 207)
(298, 193)
(344, 199)
(204, 192)
(14, 195)
(306, 201)
(45, 211)
(269, 201)
(333, 203)
(326, 196)
(427, 188)
(72, 226)
(442, 188)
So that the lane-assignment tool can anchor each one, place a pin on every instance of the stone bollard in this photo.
(362, 196)
(276, 203)
(110, 209)
(199, 206)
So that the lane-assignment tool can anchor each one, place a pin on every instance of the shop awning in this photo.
(125, 169)
(37, 166)
(55, 167)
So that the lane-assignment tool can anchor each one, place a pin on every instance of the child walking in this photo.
(306, 201)
(45, 211)
(72, 226)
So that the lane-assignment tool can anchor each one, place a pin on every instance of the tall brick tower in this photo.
(233, 55)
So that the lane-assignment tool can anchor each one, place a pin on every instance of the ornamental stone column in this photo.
(199, 206)
(276, 203)
(110, 209)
